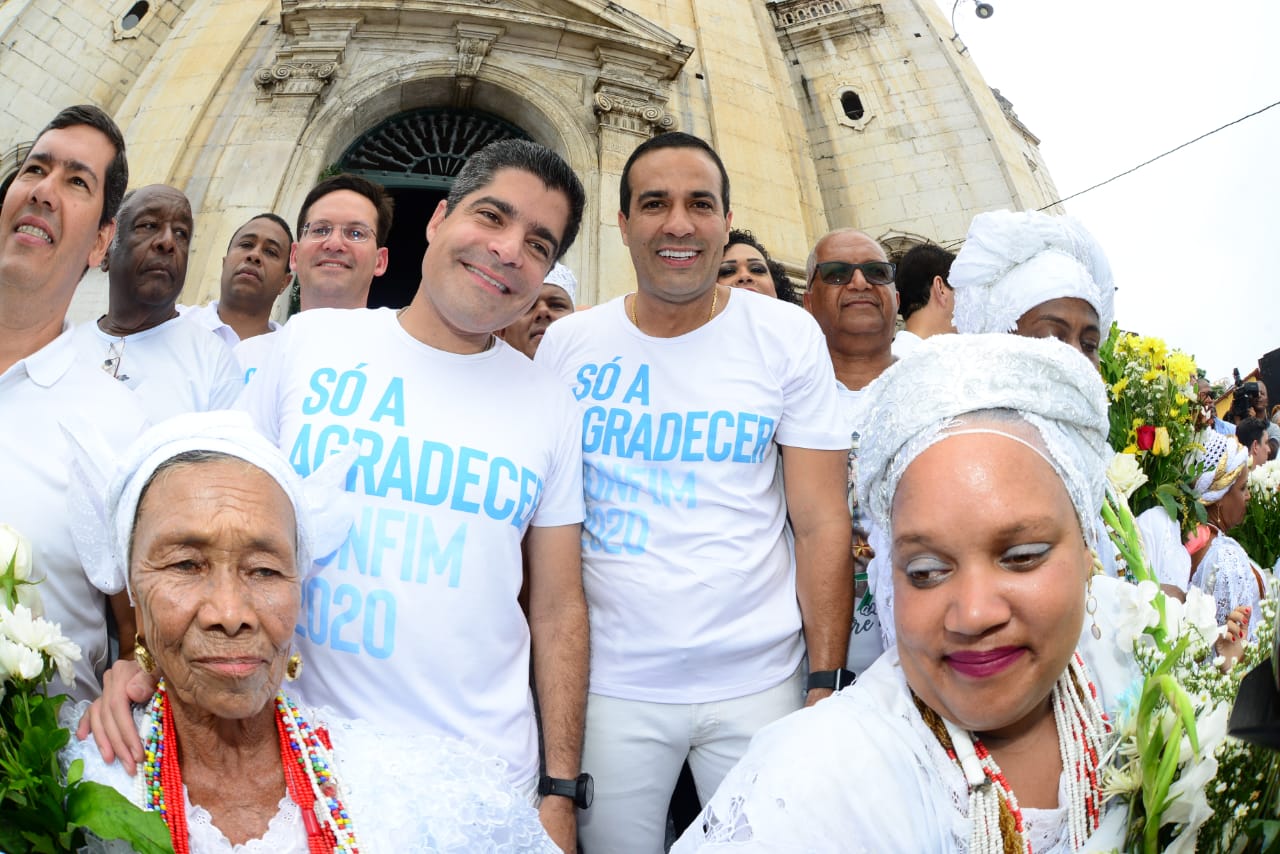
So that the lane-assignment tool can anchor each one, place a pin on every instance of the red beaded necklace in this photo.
(165, 793)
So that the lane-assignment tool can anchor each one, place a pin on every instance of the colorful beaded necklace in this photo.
(998, 825)
(307, 756)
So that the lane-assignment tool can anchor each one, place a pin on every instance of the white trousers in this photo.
(635, 749)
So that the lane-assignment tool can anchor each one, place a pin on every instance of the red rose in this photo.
(1146, 437)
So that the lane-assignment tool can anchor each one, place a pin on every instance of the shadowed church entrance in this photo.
(416, 155)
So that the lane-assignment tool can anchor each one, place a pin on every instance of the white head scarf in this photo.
(105, 488)
(1039, 392)
(562, 277)
(1012, 262)
(1220, 459)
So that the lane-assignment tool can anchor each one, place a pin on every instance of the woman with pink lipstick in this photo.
(213, 533)
(985, 728)
(746, 264)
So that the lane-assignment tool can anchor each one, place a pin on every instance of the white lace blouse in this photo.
(861, 772)
(1226, 573)
(418, 793)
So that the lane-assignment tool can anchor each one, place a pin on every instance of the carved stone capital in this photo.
(474, 42)
(631, 94)
(638, 115)
(293, 78)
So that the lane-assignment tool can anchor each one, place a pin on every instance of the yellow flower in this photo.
(1120, 386)
(1130, 449)
(1181, 367)
(1150, 375)
(1161, 445)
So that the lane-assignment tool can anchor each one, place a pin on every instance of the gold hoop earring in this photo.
(142, 655)
(294, 668)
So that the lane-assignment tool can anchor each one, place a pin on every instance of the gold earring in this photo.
(142, 655)
(294, 668)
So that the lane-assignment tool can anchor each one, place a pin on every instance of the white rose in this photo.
(15, 549)
(1125, 474)
(19, 660)
(1201, 612)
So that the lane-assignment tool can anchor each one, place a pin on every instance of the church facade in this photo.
(827, 113)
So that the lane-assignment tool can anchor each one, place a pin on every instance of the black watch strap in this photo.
(580, 790)
(833, 679)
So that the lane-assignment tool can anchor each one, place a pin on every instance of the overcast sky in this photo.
(1192, 238)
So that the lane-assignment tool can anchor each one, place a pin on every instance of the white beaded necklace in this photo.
(1082, 732)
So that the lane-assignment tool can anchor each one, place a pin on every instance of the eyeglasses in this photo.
(318, 231)
(111, 364)
(841, 272)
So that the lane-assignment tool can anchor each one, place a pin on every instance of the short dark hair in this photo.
(781, 281)
(117, 177)
(1250, 430)
(672, 139)
(278, 220)
(383, 204)
(538, 160)
(915, 275)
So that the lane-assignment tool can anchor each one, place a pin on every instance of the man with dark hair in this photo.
(255, 271)
(1252, 434)
(926, 301)
(171, 363)
(56, 221)
(702, 605)
(449, 484)
(342, 242)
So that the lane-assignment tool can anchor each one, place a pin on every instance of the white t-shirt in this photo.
(865, 640)
(253, 353)
(415, 622)
(689, 575)
(39, 395)
(176, 367)
(207, 316)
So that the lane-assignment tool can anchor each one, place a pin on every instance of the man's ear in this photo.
(939, 289)
(98, 254)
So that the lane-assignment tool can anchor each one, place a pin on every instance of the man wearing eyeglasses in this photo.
(341, 247)
(851, 294)
(56, 221)
(342, 242)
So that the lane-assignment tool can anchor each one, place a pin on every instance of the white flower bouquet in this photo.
(42, 810)
(1190, 786)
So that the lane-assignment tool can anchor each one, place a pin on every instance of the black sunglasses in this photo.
(841, 272)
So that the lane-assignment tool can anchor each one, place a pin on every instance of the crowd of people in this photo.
(520, 564)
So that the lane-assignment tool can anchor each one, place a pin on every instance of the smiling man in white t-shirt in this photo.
(709, 414)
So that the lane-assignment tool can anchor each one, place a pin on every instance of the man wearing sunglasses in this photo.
(851, 294)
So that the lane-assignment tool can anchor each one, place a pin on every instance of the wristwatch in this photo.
(581, 790)
(833, 679)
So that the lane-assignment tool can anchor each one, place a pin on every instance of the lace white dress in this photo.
(418, 793)
(861, 772)
(1226, 573)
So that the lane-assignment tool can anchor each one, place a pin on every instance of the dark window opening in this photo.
(135, 15)
(852, 105)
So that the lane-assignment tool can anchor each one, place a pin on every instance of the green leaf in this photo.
(109, 815)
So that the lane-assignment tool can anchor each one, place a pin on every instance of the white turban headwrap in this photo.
(1219, 460)
(988, 383)
(562, 277)
(1012, 262)
(106, 488)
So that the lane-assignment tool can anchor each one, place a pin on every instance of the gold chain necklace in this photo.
(715, 297)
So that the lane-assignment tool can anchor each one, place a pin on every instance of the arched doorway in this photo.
(416, 155)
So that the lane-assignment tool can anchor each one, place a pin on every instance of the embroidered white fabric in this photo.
(1013, 261)
(1226, 573)
(956, 382)
(418, 794)
(1219, 458)
(861, 772)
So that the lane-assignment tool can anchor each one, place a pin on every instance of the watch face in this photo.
(586, 790)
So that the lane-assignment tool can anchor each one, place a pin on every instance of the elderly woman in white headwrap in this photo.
(1220, 566)
(984, 728)
(211, 530)
(1036, 275)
